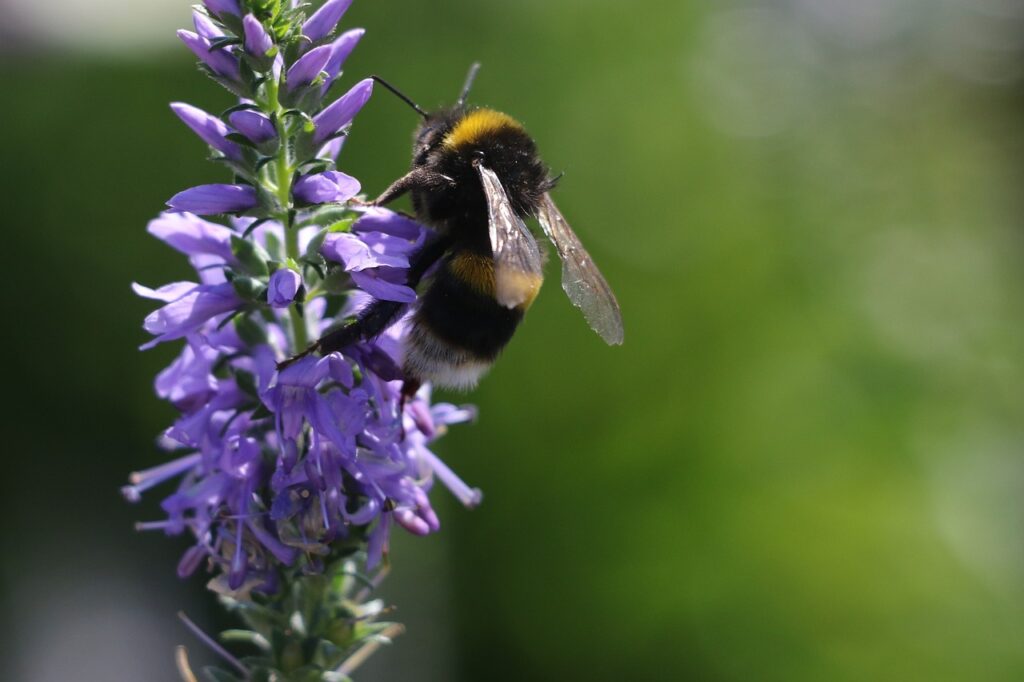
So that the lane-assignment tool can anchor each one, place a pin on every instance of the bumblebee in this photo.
(476, 175)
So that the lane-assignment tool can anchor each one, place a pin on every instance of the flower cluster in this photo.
(283, 474)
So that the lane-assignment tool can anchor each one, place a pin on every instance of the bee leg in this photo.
(377, 316)
(418, 178)
(409, 388)
(312, 348)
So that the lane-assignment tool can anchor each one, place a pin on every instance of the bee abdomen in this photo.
(459, 329)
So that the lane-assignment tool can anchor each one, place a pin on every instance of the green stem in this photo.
(283, 188)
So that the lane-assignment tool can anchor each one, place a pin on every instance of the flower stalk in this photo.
(289, 481)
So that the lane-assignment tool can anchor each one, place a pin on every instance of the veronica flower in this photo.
(254, 125)
(222, 7)
(214, 199)
(277, 474)
(306, 69)
(219, 61)
(205, 27)
(211, 130)
(325, 19)
(258, 42)
(321, 188)
(284, 285)
(341, 112)
(341, 48)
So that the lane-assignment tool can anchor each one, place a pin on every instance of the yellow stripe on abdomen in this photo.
(476, 270)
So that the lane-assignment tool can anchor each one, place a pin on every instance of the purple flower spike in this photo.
(222, 7)
(307, 67)
(284, 285)
(214, 199)
(257, 41)
(325, 19)
(323, 188)
(341, 112)
(221, 62)
(254, 125)
(212, 130)
(275, 466)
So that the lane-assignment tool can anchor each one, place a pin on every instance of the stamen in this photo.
(212, 643)
(470, 497)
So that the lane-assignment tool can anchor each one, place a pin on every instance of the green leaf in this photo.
(250, 288)
(224, 41)
(253, 226)
(261, 412)
(250, 255)
(313, 249)
(247, 382)
(239, 107)
(239, 138)
(343, 225)
(249, 331)
(247, 636)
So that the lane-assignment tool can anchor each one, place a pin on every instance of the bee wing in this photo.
(581, 280)
(517, 263)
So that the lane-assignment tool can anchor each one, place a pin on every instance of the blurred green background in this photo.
(805, 463)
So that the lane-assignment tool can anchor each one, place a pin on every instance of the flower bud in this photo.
(214, 199)
(325, 19)
(284, 285)
(211, 130)
(341, 112)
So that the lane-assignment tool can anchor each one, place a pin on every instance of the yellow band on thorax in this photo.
(477, 125)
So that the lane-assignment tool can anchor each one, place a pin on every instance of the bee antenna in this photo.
(398, 93)
(470, 77)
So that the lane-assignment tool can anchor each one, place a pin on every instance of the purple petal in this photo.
(221, 7)
(254, 125)
(407, 518)
(341, 48)
(383, 220)
(189, 312)
(356, 254)
(210, 129)
(305, 373)
(307, 67)
(214, 199)
(166, 293)
(222, 63)
(257, 41)
(332, 148)
(387, 284)
(325, 19)
(187, 382)
(321, 188)
(205, 27)
(341, 112)
(284, 284)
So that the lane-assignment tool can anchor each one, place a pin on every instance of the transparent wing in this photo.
(517, 263)
(581, 280)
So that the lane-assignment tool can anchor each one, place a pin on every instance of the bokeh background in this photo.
(805, 463)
